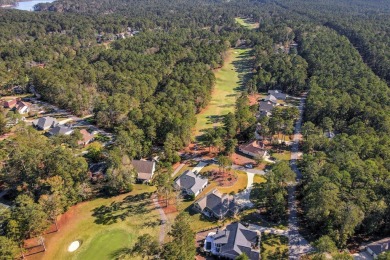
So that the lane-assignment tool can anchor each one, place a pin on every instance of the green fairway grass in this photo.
(246, 23)
(228, 86)
(104, 245)
(104, 226)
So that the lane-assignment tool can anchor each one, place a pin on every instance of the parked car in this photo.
(248, 166)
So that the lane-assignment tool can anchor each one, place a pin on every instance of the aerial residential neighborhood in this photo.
(194, 129)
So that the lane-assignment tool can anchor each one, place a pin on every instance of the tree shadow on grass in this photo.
(129, 206)
(121, 253)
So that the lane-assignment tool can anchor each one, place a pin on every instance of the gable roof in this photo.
(45, 122)
(86, 137)
(378, 247)
(271, 98)
(190, 181)
(237, 239)
(217, 202)
(253, 147)
(145, 169)
(266, 106)
(277, 93)
(10, 103)
(61, 130)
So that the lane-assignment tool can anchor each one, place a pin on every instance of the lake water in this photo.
(29, 5)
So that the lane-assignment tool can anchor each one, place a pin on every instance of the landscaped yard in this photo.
(225, 91)
(274, 247)
(104, 226)
(284, 156)
(259, 179)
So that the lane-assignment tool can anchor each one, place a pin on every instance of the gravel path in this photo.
(163, 218)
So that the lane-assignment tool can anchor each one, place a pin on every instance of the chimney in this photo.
(385, 246)
(225, 232)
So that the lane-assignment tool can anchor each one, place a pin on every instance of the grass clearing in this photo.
(103, 226)
(247, 23)
(226, 89)
(284, 156)
(274, 247)
(259, 179)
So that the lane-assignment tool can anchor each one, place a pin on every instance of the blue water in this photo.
(29, 5)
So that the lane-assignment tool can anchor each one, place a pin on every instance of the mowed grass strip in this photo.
(246, 23)
(225, 92)
(104, 226)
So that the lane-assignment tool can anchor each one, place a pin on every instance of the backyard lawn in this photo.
(226, 89)
(104, 226)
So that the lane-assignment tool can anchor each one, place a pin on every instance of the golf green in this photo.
(105, 244)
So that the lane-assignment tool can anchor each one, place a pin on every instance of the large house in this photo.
(145, 169)
(191, 183)
(233, 241)
(253, 149)
(216, 205)
(277, 94)
(45, 123)
(61, 130)
(266, 107)
(378, 247)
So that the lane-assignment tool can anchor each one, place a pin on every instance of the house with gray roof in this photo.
(45, 123)
(191, 183)
(216, 205)
(378, 247)
(266, 107)
(233, 241)
(271, 98)
(145, 169)
(60, 130)
(277, 94)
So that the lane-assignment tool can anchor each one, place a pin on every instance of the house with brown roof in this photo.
(86, 137)
(216, 205)
(145, 169)
(253, 149)
(10, 103)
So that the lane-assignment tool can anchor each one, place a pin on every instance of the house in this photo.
(10, 103)
(266, 107)
(191, 183)
(271, 98)
(145, 169)
(233, 241)
(86, 137)
(253, 149)
(216, 205)
(22, 107)
(45, 123)
(378, 247)
(277, 94)
(61, 130)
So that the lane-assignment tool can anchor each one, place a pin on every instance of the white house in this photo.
(191, 183)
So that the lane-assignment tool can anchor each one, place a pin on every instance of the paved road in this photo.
(298, 245)
(163, 218)
(199, 167)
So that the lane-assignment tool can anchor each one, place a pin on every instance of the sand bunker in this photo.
(73, 246)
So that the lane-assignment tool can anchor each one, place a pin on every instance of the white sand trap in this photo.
(73, 246)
